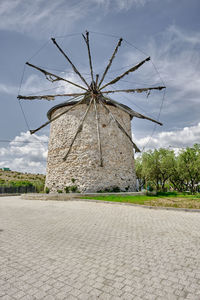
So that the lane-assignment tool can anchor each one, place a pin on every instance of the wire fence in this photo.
(17, 189)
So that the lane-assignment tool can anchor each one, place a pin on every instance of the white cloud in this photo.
(55, 16)
(188, 136)
(119, 5)
(184, 36)
(8, 89)
(26, 15)
(175, 53)
(178, 60)
(25, 153)
(32, 84)
(36, 85)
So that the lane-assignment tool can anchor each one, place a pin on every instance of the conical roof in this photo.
(108, 101)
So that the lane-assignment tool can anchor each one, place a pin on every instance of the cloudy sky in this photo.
(168, 31)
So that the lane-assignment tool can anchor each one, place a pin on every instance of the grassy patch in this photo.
(140, 199)
(164, 200)
(177, 195)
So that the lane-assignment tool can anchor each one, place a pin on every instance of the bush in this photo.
(115, 189)
(67, 189)
(59, 191)
(174, 194)
(47, 190)
(150, 188)
(74, 189)
(39, 186)
(112, 189)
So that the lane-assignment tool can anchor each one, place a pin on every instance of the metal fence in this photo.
(17, 189)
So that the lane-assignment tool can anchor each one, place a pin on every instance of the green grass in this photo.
(161, 199)
(140, 199)
(177, 195)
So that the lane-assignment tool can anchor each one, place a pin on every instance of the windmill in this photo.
(90, 142)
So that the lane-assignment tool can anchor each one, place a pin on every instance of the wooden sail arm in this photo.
(110, 61)
(58, 116)
(53, 77)
(140, 116)
(98, 134)
(126, 73)
(120, 126)
(86, 39)
(48, 97)
(68, 59)
(80, 127)
(97, 78)
(138, 90)
(133, 113)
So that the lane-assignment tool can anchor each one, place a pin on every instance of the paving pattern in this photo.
(83, 250)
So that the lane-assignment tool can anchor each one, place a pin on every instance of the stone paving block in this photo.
(71, 297)
(105, 296)
(40, 295)
(95, 292)
(127, 289)
(117, 292)
(6, 297)
(19, 295)
(127, 296)
(12, 291)
(53, 291)
(49, 297)
(2, 293)
(32, 291)
(75, 292)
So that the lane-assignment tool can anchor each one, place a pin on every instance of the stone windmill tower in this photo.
(90, 145)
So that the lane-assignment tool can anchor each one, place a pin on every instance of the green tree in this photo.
(189, 167)
(139, 174)
(167, 163)
(151, 167)
(158, 166)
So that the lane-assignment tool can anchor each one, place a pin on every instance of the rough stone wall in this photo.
(82, 164)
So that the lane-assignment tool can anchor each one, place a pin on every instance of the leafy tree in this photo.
(139, 174)
(157, 166)
(151, 167)
(189, 167)
(167, 163)
(162, 167)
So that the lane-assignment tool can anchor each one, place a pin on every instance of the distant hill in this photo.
(13, 178)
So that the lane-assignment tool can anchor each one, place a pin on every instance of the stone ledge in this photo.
(9, 194)
(71, 196)
(76, 197)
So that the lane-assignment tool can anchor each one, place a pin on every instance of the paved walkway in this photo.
(82, 250)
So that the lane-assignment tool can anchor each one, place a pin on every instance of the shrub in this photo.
(74, 188)
(73, 180)
(112, 189)
(47, 190)
(150, 188)
(59, 191)
(115, 189)
(67, 189)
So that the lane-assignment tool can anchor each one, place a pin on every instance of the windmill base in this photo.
(81, 171)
